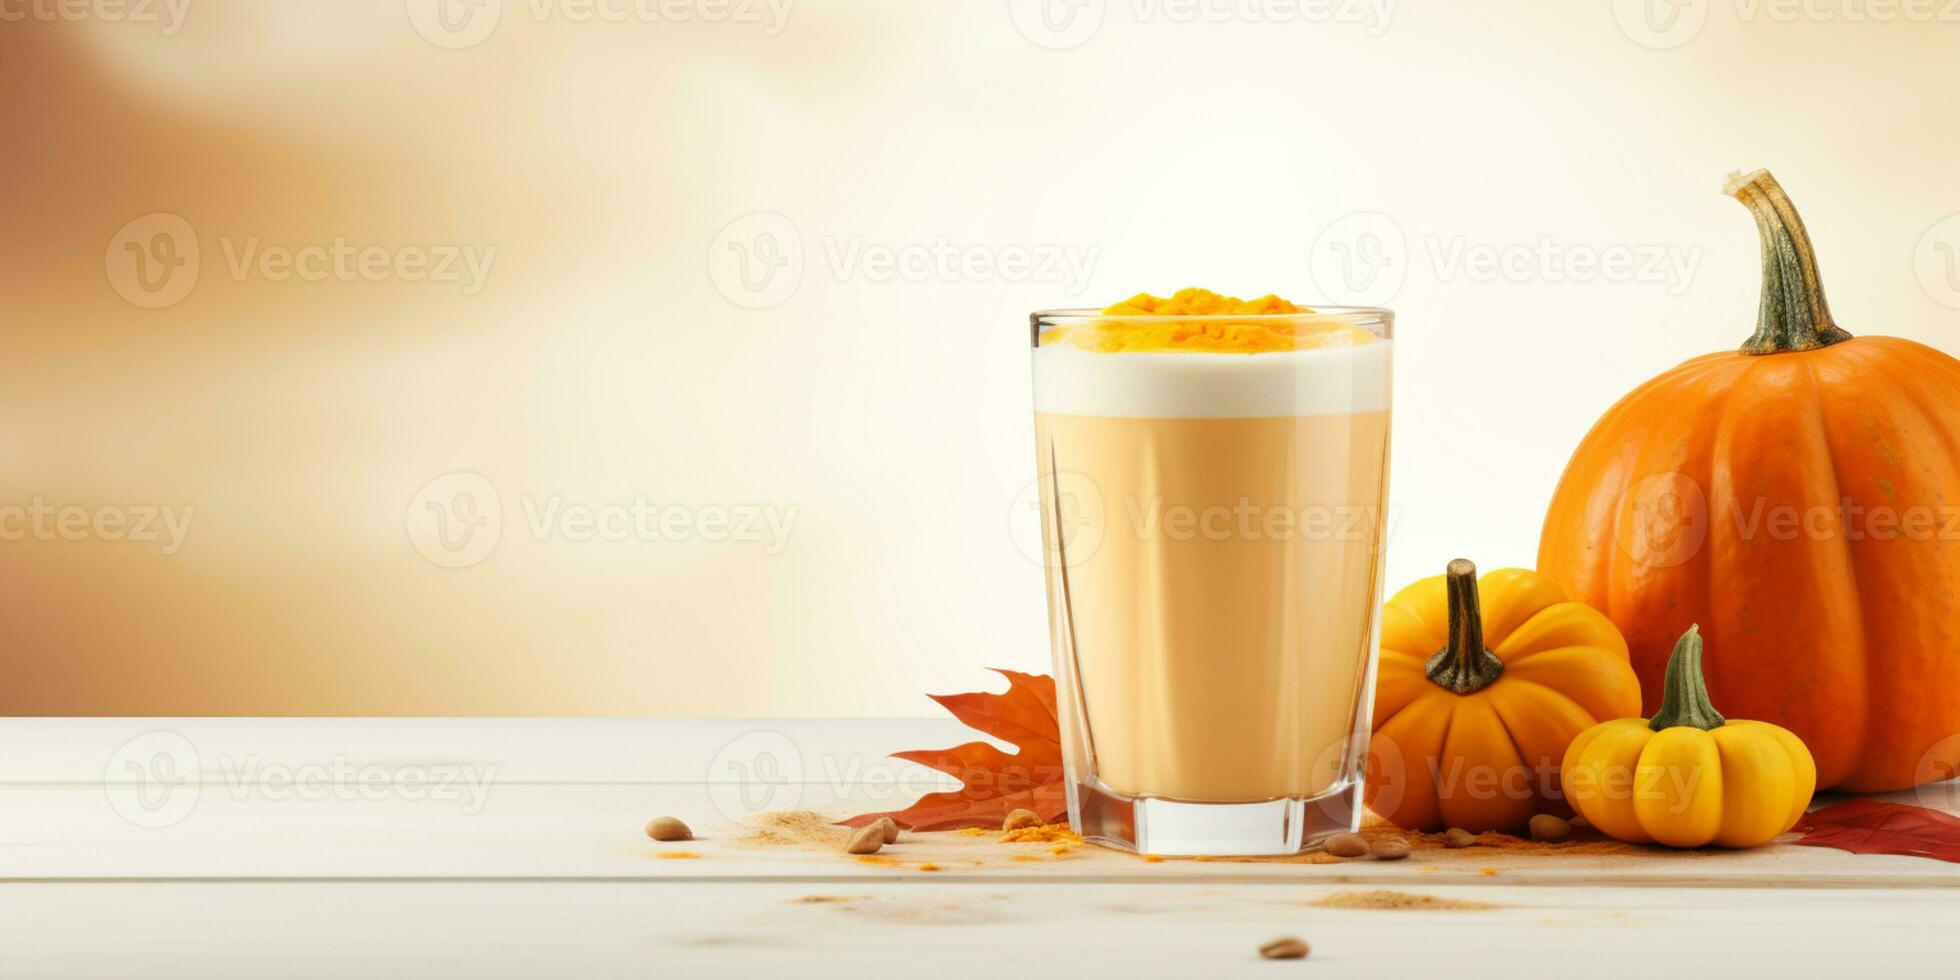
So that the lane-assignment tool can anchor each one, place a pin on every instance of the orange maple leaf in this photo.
(995, 783)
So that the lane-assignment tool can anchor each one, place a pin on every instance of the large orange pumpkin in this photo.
(1800, 499)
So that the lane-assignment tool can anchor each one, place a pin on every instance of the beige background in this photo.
(608, 353)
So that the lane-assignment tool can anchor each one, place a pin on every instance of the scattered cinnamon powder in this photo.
(797, 828)
(1396, 901)
(928, 866)
(677, 855)
(825, 899)
(879, 859)
(1152, 858)
(1311, 857)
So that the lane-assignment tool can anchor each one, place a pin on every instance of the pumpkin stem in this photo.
(1684, 693)
(1463, 665)
(1792, 314)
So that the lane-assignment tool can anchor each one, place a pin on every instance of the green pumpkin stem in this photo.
(1463, 665)
(1684, 693)
(1793, 314)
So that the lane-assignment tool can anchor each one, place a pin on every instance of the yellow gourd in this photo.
(1481, 686)
(1689, 777)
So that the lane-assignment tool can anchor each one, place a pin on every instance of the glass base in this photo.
(1176, 828)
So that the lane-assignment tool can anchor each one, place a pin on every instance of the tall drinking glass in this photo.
(1212, 521)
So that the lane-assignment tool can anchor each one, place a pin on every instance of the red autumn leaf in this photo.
(994, 783)
(1870, 827)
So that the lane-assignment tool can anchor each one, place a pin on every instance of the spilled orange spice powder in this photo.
(1048, 833)
(1135, 325)
(1061, 838)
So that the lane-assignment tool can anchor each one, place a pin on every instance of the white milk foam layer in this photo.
(1204, 385)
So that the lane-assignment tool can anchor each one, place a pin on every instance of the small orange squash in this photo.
(1798, 499)
(1480, 687)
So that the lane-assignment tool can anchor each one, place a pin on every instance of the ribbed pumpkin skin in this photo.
(1843, 633)
(1478, 761)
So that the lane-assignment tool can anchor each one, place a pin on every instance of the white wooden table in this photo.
(299, 848)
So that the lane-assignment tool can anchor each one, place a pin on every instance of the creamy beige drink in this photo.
(1214, 522)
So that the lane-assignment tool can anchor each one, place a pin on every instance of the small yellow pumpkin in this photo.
(1480, 687)
(1689, 777)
